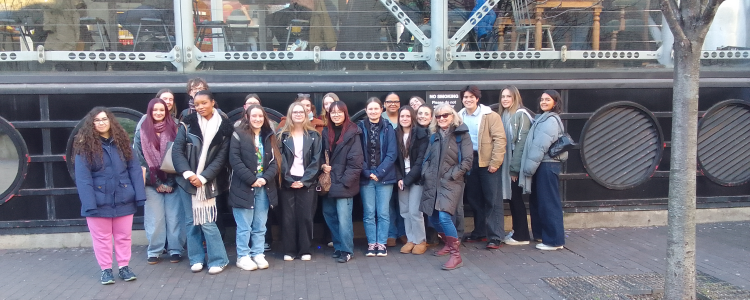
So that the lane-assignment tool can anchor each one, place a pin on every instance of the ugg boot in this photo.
(454, 261)
(420, 248)
(446, 248)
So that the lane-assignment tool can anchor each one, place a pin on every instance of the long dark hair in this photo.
(87, 141)
(404, 149)
(147, 128)
(340, 105)
(266, 127)
(555, 97)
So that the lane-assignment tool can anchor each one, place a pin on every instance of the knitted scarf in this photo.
(153, 151)
(204, 210)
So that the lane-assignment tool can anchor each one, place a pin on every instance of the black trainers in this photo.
(345, 257)
(175, 258)
(152, 260)
(107, 277)
(382, 250)
(126, 274)
(371, 250)
(336, 254)
(494, 244)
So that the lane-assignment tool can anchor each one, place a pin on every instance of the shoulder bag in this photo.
(564, 142)
(324, 180)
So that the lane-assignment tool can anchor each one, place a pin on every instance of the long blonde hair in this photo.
(443, 108)
(517, 102)
(323, 112)
(289, 124)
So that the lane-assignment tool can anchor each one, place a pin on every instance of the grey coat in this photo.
(516, 129)
(542, 134)
(443, 174)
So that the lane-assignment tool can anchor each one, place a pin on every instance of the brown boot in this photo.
(446, 248)
(454, 262)
(390, 242)
(420, 248)
(407, 247)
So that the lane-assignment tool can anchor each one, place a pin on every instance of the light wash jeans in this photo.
(376, 199)
(217, 254)
(408, 203)
(164, 221)
(251, 224)
(338, 215)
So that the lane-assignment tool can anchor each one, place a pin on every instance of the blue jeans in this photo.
(545, 205)
(251, 223)
(163, 221)
(338, 215)
(442, 222)
(376, 199)
(217, 254)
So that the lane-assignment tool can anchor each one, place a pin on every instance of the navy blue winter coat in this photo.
(112, 188)
(386, 171)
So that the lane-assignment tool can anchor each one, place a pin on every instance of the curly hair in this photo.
(88, 144)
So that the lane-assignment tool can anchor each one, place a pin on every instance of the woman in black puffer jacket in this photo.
(254, 156)
(341, 141)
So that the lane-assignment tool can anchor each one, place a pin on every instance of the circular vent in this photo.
(621, 145)
(723, 139)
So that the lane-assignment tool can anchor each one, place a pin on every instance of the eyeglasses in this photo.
(298, 112)
(443, 116)
(101, 121)
(391, 102)
(336, 113)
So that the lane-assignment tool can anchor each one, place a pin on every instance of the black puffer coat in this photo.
(346, 162)
(443, 174)
(244, 161)
(420, 140)
(186, 152)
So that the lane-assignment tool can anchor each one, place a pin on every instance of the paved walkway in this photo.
(512, 272)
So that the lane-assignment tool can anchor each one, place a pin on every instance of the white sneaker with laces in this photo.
(541, 246)
(288, 258)
(512, 242)
(196, 267)
(260, 260)
(306, 257)
(509, 235)
(246, 263)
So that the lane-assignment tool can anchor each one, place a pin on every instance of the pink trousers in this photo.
(103, 230)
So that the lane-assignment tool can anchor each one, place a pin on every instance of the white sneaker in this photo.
(306, 257)
(246, 263)
(330, 244)
(512, 242)
(541, 246)
(260, 260)
(509, 235)
(196, 267)
(288, 258)
(215, 270)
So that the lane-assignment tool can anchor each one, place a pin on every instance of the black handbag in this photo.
(563, 143)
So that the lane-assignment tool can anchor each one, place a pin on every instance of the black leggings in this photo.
(297, 210)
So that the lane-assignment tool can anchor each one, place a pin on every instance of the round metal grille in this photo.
(723, 139)
(621, 145)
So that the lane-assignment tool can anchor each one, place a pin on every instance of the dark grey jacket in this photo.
(186, 152)
(346, 162)
(244, 161)
(443, 174)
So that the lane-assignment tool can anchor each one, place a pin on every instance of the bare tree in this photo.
(689, 21)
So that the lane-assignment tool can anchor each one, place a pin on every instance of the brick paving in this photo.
(512, 272)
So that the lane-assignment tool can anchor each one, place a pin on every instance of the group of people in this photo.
(405, 162)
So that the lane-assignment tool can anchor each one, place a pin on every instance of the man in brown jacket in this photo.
(483, 182)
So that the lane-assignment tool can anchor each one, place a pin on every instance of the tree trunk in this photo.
(680, 278)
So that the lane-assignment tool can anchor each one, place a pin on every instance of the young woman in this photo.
(424, 116)
(327, 100)
(194, 85)
(168, 96)
(446, 163)
(415, 102)
(199, 155)
(378, 176)
(412, 143)
(163, 214)
(341, 141)
(306, 102)
(300, 152)
(517, 121)
(255, 159)
(537, 167)
(110, 185)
